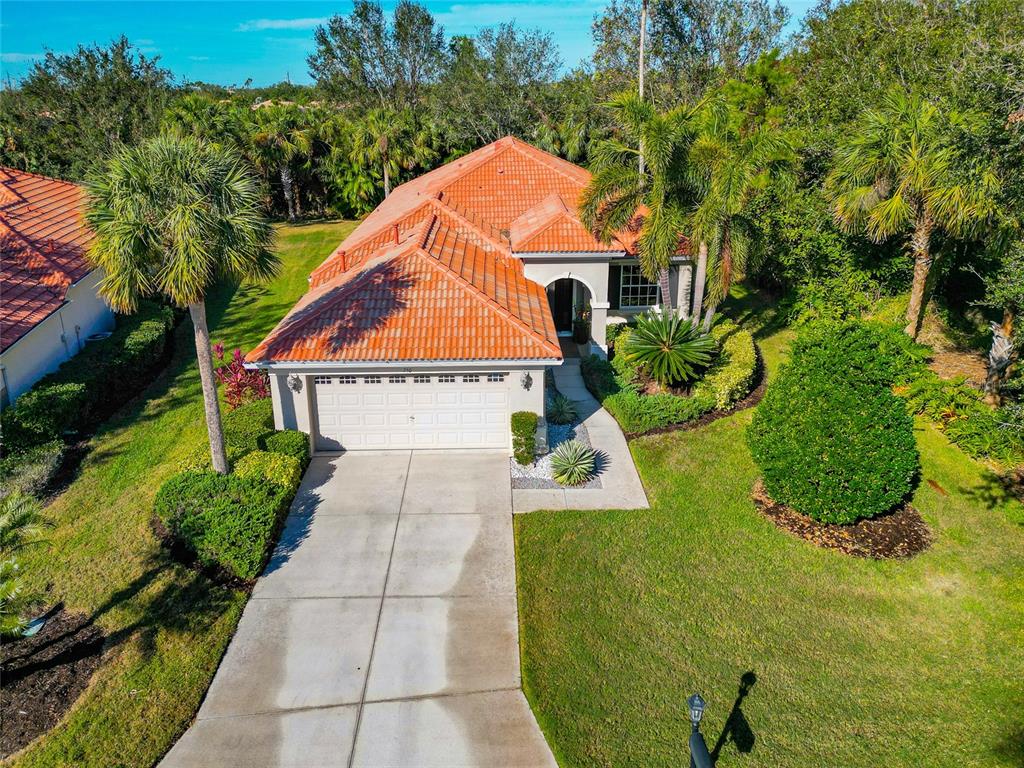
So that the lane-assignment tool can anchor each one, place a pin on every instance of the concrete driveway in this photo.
(384, 631)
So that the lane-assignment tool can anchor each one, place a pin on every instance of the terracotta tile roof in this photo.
(434, 295)
(432, 273)
(43, 239)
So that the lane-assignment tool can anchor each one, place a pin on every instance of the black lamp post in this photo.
(699, 755)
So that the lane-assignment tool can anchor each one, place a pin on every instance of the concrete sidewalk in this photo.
(620, 484)
(384, 631)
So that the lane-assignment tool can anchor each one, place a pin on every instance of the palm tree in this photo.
(733, 159)
(21, 523)
(662, 191)
(281, 135)
(171, 216)
(899, 171)
(391, 141)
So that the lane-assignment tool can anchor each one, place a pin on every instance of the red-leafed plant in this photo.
(241, 385)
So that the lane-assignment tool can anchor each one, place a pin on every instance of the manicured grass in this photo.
(167, 626)
(857, 663)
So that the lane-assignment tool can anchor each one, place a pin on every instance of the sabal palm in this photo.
(899, 171)
(733, 161)
(171, 216)
(390, 140)
(282, 134)
(620, 187)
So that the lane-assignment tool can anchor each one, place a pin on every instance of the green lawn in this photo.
(857, 663)
(167, 626)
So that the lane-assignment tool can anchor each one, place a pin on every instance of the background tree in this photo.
(282, 136)
(900, 172)
(72, 109)
(497, 84)
(1005, 293)
(171, 216)
(661, 195)
(389, 141)
(363, 59)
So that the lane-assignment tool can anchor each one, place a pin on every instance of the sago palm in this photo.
(621, 187)
(732, 162)
(673, 350)
(172, 216)
(900, 172)
(21, 523)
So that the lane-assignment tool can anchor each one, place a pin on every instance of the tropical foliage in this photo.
(21, 524)
(671, 350)
(573, 463)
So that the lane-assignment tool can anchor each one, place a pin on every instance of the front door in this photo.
(560, 299)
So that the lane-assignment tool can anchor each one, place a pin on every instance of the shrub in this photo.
(524, 436)
(831, 445)
(249, 424)
(638, 413)
(731, 376)
(561, 410)
(870, 352)
(572, 463)
(613, 331)
(47, 411)
(672, 349)
(241, 385)
(30, 472)
(282, 470)
(226, 521)
(290, 442)
(599, 377)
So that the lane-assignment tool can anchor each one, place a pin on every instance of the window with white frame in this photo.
(346, 379)
(495, 377)
(473, 379)
(371, 379)
(420, 379)
(396, 379)
(635, 290)
(321, 379)
(446, 379)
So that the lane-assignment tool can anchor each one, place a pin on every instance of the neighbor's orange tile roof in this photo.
(432, 274)
(43, 238)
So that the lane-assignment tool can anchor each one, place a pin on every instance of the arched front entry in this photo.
(567, 298)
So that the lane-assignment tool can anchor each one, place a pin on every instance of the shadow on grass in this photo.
(998, 490)
(737, 729)
(755, 310)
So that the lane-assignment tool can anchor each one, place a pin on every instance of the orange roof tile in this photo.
(434, 295)
(43, 239)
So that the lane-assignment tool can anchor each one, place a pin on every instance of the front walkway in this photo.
(384, 631)
(620, 484)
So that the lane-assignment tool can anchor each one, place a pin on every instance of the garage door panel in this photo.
(395, 412)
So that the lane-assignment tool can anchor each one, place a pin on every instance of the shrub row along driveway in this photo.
(384, 631)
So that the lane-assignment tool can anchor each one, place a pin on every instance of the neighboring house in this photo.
(49, 304)
(435, 319)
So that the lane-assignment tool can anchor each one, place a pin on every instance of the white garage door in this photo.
(394, 412)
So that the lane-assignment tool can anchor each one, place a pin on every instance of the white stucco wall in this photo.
(58, 338)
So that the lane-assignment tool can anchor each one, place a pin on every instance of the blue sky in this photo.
(228, 42)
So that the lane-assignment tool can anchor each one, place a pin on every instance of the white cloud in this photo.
(18, 58)
(259, 25)
(198, 58)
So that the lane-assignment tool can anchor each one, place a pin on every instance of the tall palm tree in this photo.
(390, 140)
(171, 216)
(663, 191)
(733, 160)
(899, 171)
(281, 136)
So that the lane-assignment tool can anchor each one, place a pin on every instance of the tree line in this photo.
(877, 149)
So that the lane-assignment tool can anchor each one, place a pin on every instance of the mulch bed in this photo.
(901, 533)
(747, 402)
(43, 675)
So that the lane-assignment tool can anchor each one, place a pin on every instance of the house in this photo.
(435, 319)
(49, 305)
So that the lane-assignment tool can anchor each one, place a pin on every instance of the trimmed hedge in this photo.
(290, 442)
(245, 430)
(226, 521)
(279, 469)
(524, 436)
(870, 352)
(93, 384)
(833, 443)
(727, 381)
(30, 472)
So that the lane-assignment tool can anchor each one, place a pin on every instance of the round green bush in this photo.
(285, 471)
(290, 442)
(830, 446)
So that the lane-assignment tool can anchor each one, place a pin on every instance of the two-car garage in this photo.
(353, 412)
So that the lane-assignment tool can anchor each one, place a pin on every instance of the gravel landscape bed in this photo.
(538, 474)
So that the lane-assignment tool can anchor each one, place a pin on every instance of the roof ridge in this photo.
(553, 162)
(494, 304)
(6, 168)
(451, 211)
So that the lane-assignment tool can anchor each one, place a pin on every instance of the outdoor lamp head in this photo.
(696, 705)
